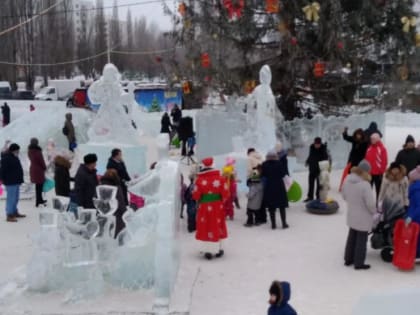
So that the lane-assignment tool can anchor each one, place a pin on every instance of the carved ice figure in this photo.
(324, 180)
(112, 124)
(267, 112)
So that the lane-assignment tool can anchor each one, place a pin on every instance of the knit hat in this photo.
(375, 137)
(409, 139)
(271, 155)
(14, 147)
(90, 158)
(207, 162)
(364, 166)
(318, 140)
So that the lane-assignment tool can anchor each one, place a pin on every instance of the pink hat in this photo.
(230, 161)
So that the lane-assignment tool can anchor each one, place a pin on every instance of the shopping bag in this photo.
(405, 244)
(176, 142)
(49, 185)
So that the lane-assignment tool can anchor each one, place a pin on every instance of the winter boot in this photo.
(283, 218)
(220, 253)
(208, 256)
(273, 220)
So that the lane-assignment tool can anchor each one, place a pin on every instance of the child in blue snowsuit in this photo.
(191, 205)
(279, 299)
(413, 213)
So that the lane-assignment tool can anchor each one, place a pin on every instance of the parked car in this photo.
(23, 95)
(5, 90)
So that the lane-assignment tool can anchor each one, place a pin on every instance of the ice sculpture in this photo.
(267, 112)
(111, 124)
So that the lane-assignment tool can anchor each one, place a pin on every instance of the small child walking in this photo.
(191, 205)
(255, 197)
(279, 299)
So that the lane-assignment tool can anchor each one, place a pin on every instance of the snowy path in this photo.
(309, 255)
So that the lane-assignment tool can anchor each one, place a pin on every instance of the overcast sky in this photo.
(152, 11)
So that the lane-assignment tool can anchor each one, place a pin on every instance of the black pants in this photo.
(313, 178)
(272, 212)
(38, 194)
(261, 216)
(377, 182)
(356, 248)
(125, 193)
(252, 216)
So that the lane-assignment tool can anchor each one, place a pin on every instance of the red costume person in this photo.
(210, 192)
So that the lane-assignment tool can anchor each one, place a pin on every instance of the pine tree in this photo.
(155, 107)
(352, 33)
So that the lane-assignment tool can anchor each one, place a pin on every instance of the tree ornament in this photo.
(205, 60)
(319, 69)
(340, 45)
(282, 27)
(234, 8)
(403, 72)
(249, 86)
(186, 88)
(293, 41)
(417, 39)
(182, 8)
(272, 6)
(312, 11)
(187, 24)
(408, 23)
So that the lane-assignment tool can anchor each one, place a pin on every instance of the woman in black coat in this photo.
(111, 178)
(275, 195)
(165, 123)
(62, 176)
(359, 146)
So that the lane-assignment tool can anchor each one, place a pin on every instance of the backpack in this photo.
(65, 130)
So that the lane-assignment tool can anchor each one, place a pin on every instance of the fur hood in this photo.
(61, 161)
(399, 177)
(361, 173)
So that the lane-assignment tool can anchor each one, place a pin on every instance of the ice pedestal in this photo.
(390, 303)
(134, 156)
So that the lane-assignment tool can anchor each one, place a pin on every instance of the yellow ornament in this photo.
(403, 72)
(408, 22)
(312, 11)
(417, 40)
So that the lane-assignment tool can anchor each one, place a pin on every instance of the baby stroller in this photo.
(383, 233)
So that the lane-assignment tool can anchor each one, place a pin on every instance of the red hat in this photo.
(207, 162)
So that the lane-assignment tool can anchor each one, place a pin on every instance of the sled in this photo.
(49, 185)
(343, 177)
(294, 194)
(405, 244)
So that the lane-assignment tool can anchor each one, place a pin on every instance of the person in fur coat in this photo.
(395, 185)
(62, 176)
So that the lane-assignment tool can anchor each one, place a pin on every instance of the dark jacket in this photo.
(38, 166)
(373, 128)
(176, 114)
(5, 110)
(410, 158)
(62, 176)
(85, 187)
(120, 168)
(165, 124)
(283, 307)
(119, 225)
(71, 133)
(358, 149)
(316, 156)
(11, 171)
(275, 195)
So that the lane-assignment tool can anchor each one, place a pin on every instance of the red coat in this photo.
(377, 156)
(38, 167)
(229, 209)
(210, 192)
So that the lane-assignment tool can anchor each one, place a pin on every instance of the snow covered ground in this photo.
(309, 255)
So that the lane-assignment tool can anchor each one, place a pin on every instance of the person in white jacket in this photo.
(361, 207)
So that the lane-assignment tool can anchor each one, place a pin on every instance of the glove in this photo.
(408, 220)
